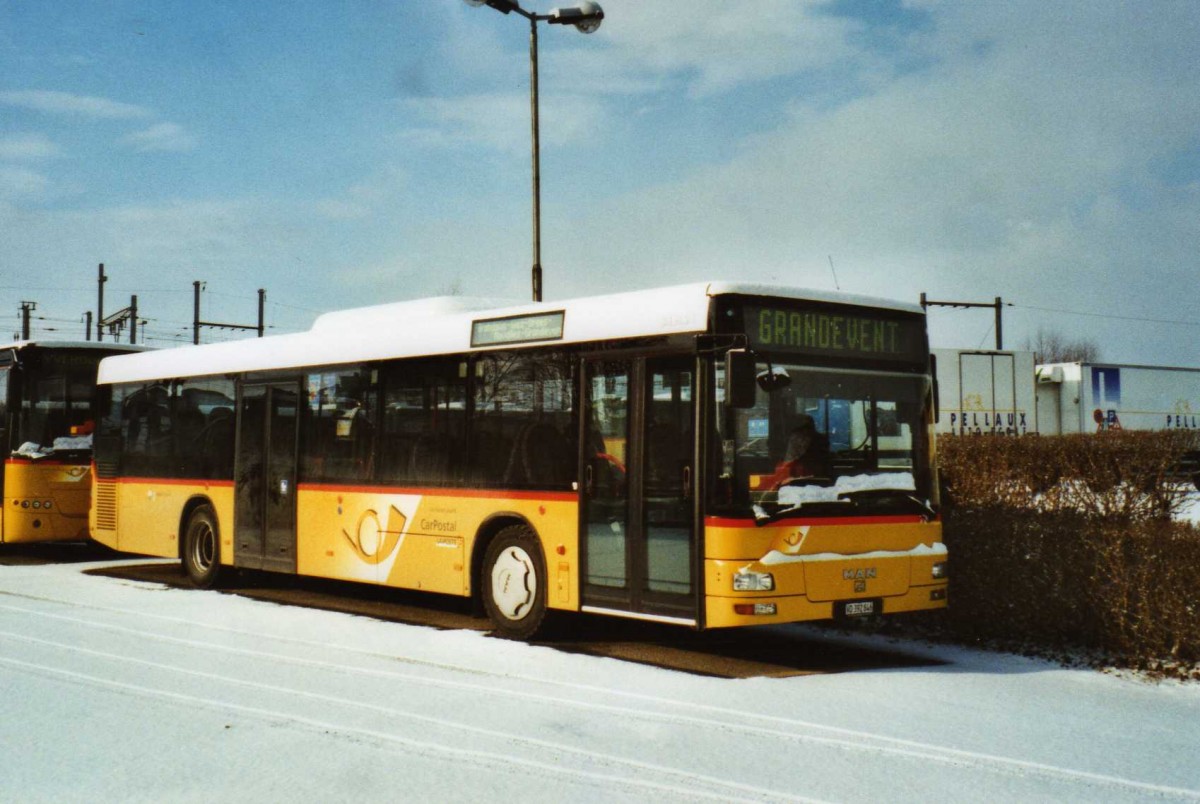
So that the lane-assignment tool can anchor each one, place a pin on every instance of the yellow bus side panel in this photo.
(45, 502)
(149, 516)
(424, 540)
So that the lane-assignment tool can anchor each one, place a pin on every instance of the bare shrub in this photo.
(1061, 542)
(1110, 474)
(1146, 577)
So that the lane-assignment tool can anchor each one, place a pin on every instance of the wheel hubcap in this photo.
(514, 583)
(203, 547)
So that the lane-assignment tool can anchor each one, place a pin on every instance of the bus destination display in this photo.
(517, 329)
(836, 333)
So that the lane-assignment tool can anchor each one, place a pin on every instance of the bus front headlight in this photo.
(746, 581)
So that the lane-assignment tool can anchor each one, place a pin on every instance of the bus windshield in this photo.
(54, 414)
(829, 442)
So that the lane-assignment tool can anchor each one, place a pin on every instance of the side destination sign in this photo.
(843, 333)
(517, 329)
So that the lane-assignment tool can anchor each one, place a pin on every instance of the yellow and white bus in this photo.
(614, 454)
(46, 419)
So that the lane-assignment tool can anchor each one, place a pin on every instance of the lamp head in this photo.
(585, 17)
(503, 6)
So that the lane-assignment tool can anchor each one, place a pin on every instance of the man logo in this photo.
(861, 574)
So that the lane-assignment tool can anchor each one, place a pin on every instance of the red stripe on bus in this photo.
(507, 494)
(172, 481)
(550, 496)
(897, 519)
(42, 462)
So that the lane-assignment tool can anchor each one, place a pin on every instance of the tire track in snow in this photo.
(776, 727)
(731, 791)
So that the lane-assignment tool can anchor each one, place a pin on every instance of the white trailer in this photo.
(1089, 397)
(985, 392)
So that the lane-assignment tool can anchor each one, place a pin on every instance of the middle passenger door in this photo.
(264, 514)
(637, 522)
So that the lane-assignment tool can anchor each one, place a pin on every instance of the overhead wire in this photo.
(1091, 314)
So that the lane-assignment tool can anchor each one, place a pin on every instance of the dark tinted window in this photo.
(174, 428)
(339, 440)
(523, 431)
(424, 422)
(4, 373)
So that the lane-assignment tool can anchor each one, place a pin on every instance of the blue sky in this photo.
(344, 154)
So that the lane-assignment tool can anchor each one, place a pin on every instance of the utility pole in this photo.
(87, 327)
(116, 321)
(196, 313)
(100, 305)
(27, 307)
(998, 304)
(197, 323)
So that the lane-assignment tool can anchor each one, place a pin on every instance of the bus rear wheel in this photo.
(514, 583)
(201, 548)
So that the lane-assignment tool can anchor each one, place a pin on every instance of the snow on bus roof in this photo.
(809, 294)
(414, 308)
(443, 325)
(109, 345)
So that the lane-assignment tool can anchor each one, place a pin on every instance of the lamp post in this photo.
(586, 18)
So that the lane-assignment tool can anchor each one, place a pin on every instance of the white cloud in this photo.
(18, 183)
(499, 121)
(161, 137)
(24, 147)
(70, 104)
(492, 120)
(340, 209)
(1003, 168)
(1021, 149)
(714, 46)
(702, 47)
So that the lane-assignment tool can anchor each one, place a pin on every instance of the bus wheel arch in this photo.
(200, 543)
(509, 570)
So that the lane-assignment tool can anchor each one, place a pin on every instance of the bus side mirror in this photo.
(740, 387)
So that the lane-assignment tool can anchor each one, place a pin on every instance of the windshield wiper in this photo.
(864, 495)
(764, 517)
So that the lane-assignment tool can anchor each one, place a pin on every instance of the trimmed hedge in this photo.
(1066, 542)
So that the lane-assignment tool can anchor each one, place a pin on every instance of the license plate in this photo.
(859, 608)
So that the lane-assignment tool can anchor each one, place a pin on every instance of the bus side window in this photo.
(425, 406)
(340, 428)
(189, 423)
(203, 431)
(522, 429)
(147, 425)
(4, 445)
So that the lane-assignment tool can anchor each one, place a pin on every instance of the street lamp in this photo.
(586, 18)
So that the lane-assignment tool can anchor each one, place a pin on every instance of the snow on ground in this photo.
(116, 690)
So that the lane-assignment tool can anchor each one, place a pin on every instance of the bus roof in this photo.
(447, 325)
(110, 346)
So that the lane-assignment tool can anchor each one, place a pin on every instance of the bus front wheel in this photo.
(201, 548)
(514, 583)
